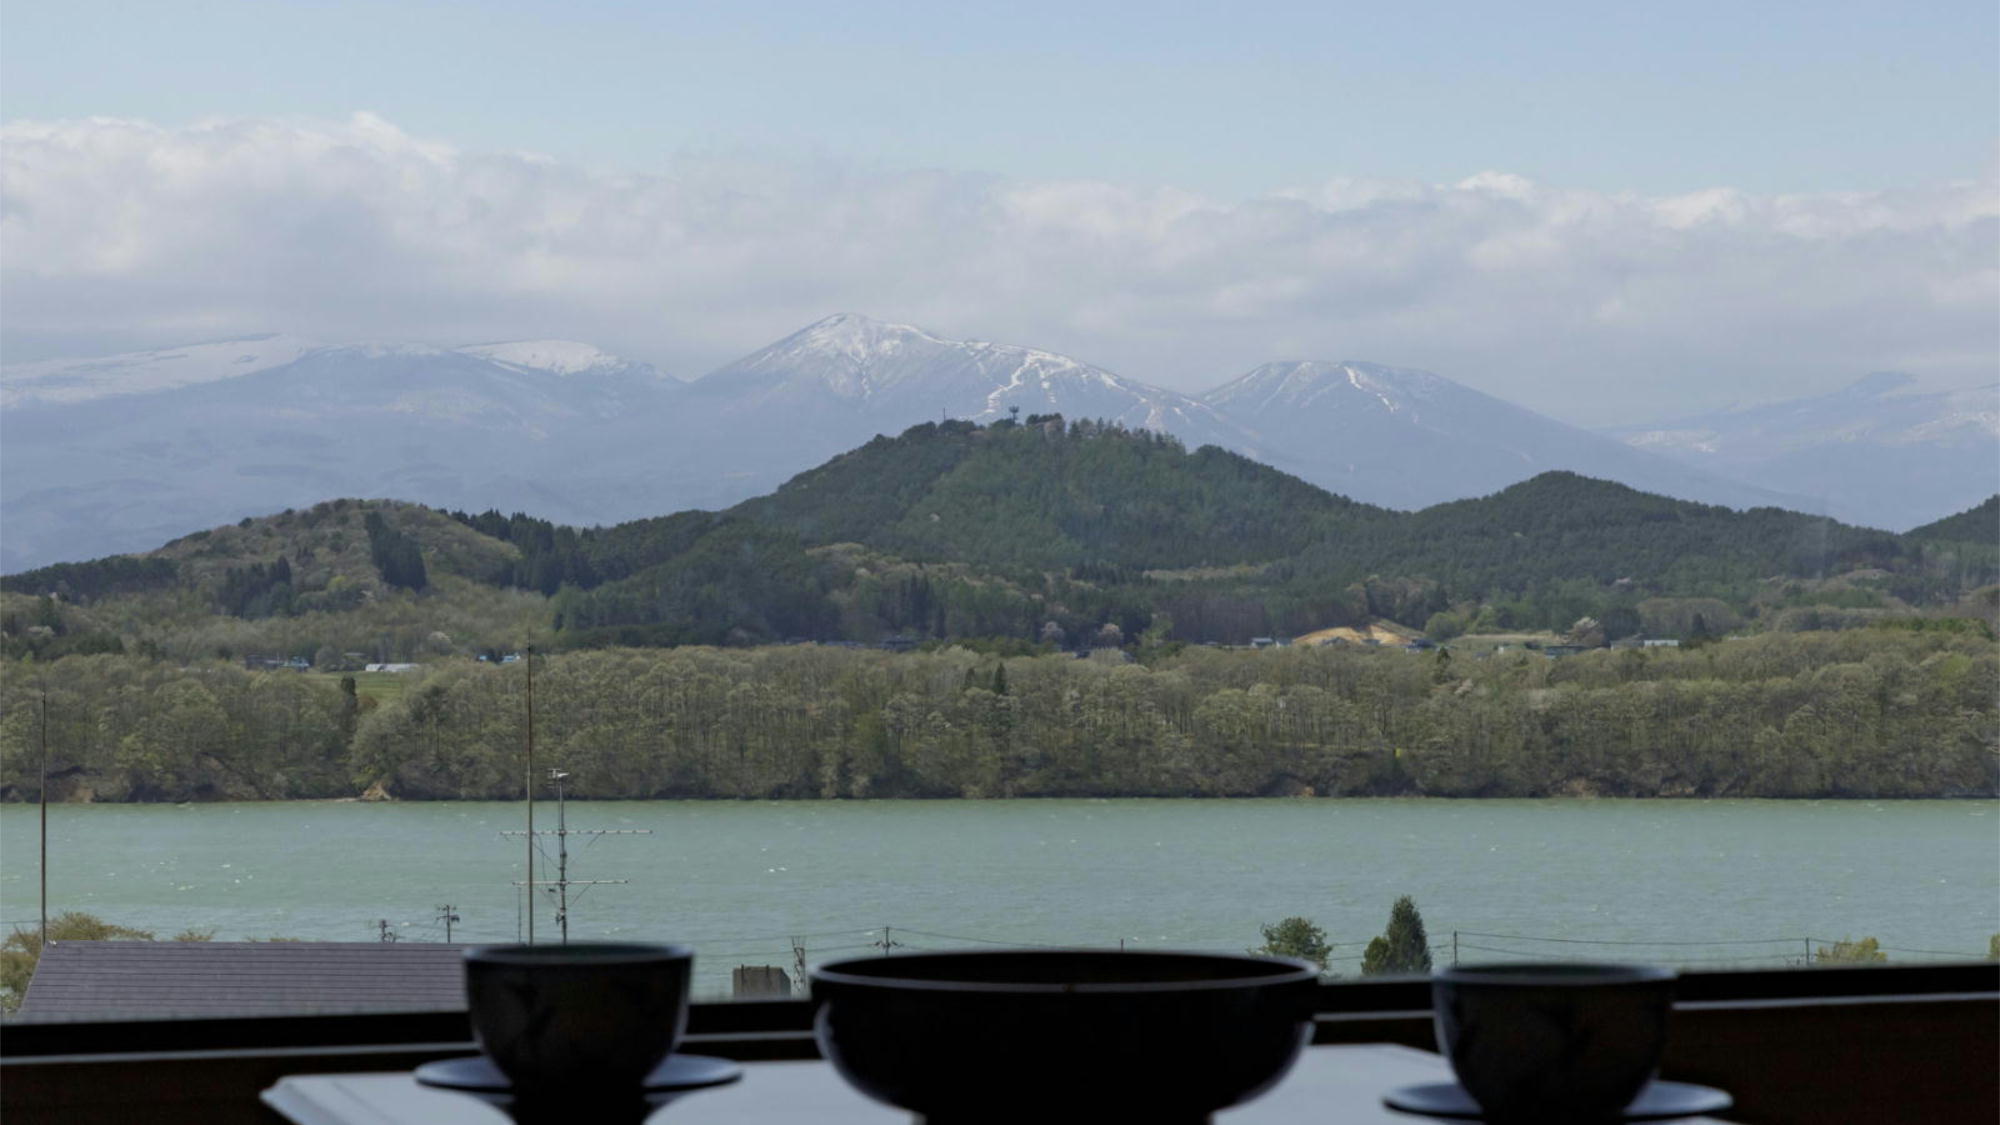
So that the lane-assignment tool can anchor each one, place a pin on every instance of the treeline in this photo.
(1864, 713)
(99, 578)
(1083, 525)
(125, 728)
(1041, 533)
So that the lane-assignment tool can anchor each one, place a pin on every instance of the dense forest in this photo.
(999, 554)
(1887, 711)
(1975, 525)
(1041, 533)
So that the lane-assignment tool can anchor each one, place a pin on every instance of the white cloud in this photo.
(1593, 306)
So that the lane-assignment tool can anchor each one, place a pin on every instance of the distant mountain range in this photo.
(1410, 439)
(1877, 452)
(119, 453)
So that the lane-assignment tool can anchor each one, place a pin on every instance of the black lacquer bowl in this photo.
(1055, 1035)
(1553, 1042)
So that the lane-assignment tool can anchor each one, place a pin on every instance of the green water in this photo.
(736, 879)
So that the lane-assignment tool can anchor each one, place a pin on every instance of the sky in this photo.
(1609, 212)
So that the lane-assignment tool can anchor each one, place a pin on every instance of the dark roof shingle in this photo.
(82, 979)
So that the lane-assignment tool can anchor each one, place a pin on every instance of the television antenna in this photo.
(560, 885)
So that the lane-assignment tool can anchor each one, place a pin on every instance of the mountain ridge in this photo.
(1880, 450)
(931, 536)
(588, 437)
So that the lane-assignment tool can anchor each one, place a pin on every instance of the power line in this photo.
(1901, 949)
(560, 885)
(792, 937)
(1737, 959)
(1613, 941)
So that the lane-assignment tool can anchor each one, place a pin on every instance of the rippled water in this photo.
(738, 879)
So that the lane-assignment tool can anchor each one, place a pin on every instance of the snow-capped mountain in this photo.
(560, 357)
(148, 454)
(125, 452)
(837, 383)
(1408, 438)
(1879, 451)
(896, 375)
(56, 381)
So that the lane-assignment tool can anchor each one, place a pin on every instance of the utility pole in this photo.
(528, 790)
(447, 914)
(886, 944)
(382, 928)
(562, 882)
(798, 966)
(562, 854)
(45, 818)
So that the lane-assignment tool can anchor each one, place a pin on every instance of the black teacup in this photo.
(1554, 1042)
(582, 1018)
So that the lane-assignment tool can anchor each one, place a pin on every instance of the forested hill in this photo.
(1563, 526)
(1042, 532)
(1974, 525)
(1046, 495)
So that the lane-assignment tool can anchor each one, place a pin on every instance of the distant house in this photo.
(1661, 642)
(392, 667)
(155, 979)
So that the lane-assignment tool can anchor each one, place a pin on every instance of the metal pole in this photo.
(1454, 947)
(45, 819)
(530, 788)
(562, 856)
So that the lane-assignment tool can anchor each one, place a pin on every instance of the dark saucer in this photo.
(1659, 1101)
(476, 1074)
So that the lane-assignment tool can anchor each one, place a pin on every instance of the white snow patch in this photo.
(56, 381)
(557, 357)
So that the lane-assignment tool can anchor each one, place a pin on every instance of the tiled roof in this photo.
(83, 979)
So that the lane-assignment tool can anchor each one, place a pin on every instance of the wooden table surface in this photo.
(1343, 1084)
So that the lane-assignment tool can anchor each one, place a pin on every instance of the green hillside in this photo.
(317, 584)
(1974, 525)
(1050, 496)
(170, 675)
(1037, 533)
(1083, 526)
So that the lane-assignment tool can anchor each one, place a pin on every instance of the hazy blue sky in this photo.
(1231, 98)
(1605, 211)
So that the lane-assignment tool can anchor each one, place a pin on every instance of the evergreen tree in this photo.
(1295, 937)
(1403, 948)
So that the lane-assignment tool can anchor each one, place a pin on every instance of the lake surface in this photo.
(739, 879)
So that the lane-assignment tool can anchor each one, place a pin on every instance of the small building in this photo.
(759, 982)
(192, 979)
(1661, 642)
(392, 667)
